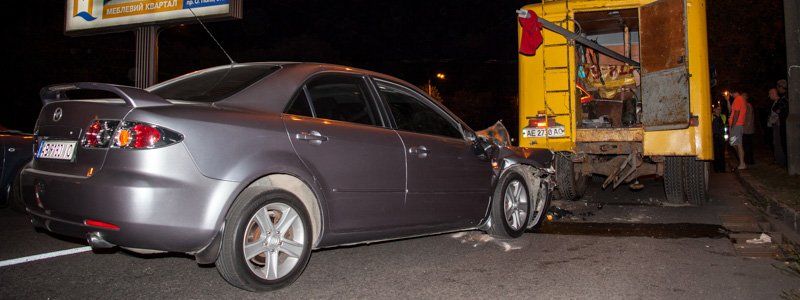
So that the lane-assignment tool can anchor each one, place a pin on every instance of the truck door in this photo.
(665, 75)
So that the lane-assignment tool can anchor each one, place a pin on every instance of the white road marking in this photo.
(36, 257)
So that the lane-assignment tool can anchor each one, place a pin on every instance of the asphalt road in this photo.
(655, 259)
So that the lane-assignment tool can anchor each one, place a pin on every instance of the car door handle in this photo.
(419, 151)
(313, 137)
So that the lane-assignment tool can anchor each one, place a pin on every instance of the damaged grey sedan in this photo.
(252, 166)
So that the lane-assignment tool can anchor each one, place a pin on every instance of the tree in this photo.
(433, 91)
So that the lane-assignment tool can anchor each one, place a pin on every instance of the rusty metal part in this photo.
(633, 134)
(609, 147)
(665, 100)
(625, 169)
(621, 168)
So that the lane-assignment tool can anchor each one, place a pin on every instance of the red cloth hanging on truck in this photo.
(531, 34)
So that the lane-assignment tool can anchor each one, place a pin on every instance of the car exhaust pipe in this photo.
(97, 242)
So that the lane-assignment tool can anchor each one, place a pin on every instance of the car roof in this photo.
(272, 93)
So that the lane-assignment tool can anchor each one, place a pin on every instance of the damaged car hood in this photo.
(502, 150)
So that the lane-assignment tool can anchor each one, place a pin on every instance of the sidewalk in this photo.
(777, 193)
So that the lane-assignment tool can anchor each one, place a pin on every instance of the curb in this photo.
(787, 216)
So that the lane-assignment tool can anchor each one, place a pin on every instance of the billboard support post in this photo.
(147, 55)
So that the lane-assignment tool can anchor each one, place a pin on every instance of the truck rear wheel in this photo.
(673, 180)
(695, 180)
(571, 184)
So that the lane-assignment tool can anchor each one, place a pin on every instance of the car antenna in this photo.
(212, 37)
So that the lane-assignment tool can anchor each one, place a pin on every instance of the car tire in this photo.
(252, 260)
(571, 184)
(673, 180)
(15, 196)
(511, 205)
(695, 180)
(542, 204)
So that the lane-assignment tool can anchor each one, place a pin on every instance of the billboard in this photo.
(102, 16)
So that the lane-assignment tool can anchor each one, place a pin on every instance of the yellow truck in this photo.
(647, 114)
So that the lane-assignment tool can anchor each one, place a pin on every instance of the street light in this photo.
(440, 76)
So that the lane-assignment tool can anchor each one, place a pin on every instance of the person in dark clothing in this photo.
(726, 103)
(718, 130)
(777, 120)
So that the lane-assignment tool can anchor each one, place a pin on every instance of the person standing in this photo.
(718, 131)
(777, 120)
(749, 131)
(736, 123)
(726, 104)
(783, 87)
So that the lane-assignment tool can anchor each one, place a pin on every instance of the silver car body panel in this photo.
(362, 179)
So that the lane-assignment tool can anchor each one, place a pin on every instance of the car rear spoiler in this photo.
(134, 97)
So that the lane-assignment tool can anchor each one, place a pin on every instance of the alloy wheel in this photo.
(273, 241)
(515, 204)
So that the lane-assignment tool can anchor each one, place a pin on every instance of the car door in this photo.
(449, 186)
(360, 165)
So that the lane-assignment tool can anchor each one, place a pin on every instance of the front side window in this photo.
(215, 85)
(341, 98)
(411, 114)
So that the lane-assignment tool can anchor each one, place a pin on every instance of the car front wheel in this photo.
(511, 205)
(266, 243)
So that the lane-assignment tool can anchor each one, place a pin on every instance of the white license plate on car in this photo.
(556, 131)
(61, 150)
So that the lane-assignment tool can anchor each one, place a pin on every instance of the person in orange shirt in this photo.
(736, 124)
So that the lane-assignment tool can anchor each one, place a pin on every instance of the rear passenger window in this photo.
(300, 105)
(411, 114)
(341, 98)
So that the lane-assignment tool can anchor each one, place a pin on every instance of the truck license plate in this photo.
(557, 131)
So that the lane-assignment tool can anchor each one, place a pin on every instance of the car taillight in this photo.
(99, 134)
(135, 135)
(128, 135)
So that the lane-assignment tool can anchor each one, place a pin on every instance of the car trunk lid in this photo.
(62, 124)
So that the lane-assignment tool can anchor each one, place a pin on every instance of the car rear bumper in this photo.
(157, 198)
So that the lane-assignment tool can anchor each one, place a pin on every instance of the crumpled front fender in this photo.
(510, 155)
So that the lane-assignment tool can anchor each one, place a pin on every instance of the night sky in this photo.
(473, 42)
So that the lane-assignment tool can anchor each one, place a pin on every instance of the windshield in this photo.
(215, 85)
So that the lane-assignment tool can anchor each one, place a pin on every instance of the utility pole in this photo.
(791, 12)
